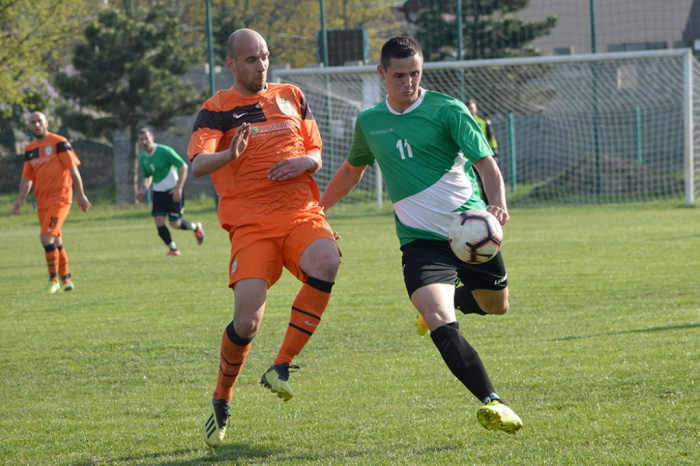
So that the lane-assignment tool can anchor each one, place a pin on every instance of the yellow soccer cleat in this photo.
(52, 287)
(215, 425)
(276, 379)
(494, 415)
(68, 287)
(421, 326)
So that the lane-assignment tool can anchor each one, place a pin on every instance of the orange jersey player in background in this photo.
(51, 166)
(261, 145)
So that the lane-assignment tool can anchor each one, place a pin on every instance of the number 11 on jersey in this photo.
(400, 145)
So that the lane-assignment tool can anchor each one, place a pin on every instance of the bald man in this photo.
(51, 166)
(261, 145)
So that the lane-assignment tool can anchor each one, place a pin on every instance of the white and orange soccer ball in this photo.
(475, 236)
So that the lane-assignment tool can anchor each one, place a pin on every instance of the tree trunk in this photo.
(126, 165)
(133, 173)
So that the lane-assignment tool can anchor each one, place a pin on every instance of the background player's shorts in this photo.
(426, 262)
(52, 217)
(261, 248)
(163, 205)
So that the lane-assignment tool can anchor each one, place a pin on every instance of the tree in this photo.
(33, 36)
(290, 26)
(128, 68)
(489, 29)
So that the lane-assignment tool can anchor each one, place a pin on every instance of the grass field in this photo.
(599, 354)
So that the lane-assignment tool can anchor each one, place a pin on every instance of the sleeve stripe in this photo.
(230, 119)
(305, 109)
(63, 146)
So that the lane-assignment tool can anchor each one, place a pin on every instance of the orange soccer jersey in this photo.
(282, 127)
(46, 163)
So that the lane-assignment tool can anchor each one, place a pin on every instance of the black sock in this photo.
(185, 225)
(465, 302)
(463, 360)
(164, 234)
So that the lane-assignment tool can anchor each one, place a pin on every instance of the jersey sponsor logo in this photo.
(259, 130)
(498, 282)
(285, 106)
(31, 154)
(234, 265)
(382, 131)
(48, 150)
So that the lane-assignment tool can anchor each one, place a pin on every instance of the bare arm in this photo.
(145, 184)
(25, 185)
(207, 163)
(83, 201)
(344, 181)
(494, 187)
(182, 176)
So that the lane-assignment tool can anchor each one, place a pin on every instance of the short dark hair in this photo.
(145, 130)
(399, 47)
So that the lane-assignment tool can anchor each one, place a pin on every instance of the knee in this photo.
(327, 267)
(246, 328)
(175, 224)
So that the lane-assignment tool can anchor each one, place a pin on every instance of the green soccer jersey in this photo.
(426, 156)
(162, 165)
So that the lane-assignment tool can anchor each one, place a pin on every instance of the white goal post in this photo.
(573, 129)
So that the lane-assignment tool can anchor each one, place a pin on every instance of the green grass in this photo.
(599, 353)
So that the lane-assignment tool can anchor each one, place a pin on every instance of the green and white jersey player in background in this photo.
(163, 167)
(426, 144)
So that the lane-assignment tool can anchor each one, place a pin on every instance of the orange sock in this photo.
(306, 316)
(52, 261)
(62, 262)
(234, 350)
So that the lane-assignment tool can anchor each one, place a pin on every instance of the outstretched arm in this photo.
(344, 180)
(83, 201)
(494, 187)
(207, 163)
(145, 184)
(182, 176)
(25, 185)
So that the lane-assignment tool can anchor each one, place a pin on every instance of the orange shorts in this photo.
(261, 248)
(51, 218)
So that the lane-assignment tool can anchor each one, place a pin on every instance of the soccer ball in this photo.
(475, 236)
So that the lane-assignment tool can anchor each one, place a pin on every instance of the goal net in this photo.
(615, 127)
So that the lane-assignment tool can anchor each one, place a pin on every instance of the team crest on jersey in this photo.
(234, 266)
(48, 150)
(285, 106)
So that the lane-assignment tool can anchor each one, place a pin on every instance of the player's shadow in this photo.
(662, 328)
(227, 454)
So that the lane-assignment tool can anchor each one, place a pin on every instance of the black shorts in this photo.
(426, 262)
(163, 205)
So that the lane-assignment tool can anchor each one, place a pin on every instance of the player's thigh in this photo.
(175, 209)
(160, 204)
(52, 219)
(427, 262)
(255, 253)
(492, 301)
(310, 249)
(488, 283)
